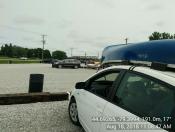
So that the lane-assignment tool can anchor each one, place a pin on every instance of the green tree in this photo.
(47, 54)
(30, 53)
(0, 52)
(17, 51)
(38, 53)
(10, 50)
(5, 50)
(159, 36)
(155, 36)
(59, 55)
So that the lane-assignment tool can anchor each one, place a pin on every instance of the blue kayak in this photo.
(162, 51)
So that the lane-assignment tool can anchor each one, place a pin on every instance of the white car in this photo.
(125, 98)
(23, 58)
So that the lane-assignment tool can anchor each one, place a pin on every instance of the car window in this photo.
(146, 98)
(102, 84)
(67, 61)
(108, 77)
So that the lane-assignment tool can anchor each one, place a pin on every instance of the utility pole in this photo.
(126, 40)
(43, 42)
(71, 50)
(98, 54)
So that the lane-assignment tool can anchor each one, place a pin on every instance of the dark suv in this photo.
(67, 63)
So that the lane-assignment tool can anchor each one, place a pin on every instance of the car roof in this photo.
(168, 77)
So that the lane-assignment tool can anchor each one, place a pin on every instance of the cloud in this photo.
(106, 3)
(94, 42)
(74, 34)
(160, 24)
(2, 37)
(18, 29)
(1, 6)
(31, 39)
(64, 23)
(85, 41)
(154, 7)
(29, 20)
(85, 24)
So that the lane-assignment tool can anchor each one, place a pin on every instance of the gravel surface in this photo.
(14, 78)
(38, 117)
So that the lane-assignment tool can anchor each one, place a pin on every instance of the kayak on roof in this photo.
(162, 51)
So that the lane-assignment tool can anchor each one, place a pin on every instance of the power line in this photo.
(19, 29)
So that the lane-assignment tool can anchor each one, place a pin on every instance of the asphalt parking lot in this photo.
(39, 117)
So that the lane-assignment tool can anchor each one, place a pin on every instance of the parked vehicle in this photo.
(73, 63)
(94, 65)
(125, 98)
(55, 63)
(23, 58)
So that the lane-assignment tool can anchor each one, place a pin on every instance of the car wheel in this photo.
(59, 66)
(75, 67)
(73, 112)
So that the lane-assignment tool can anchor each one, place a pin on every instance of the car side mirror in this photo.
(80, 85)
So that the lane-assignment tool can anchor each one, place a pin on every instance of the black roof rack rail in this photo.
(132, 68)
(158, 66)
(153, 65)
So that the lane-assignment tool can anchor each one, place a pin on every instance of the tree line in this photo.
(159, 36)
(9, 50)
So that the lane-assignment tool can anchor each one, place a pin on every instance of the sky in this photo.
(84, 25)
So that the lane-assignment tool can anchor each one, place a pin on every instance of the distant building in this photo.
(85, 59)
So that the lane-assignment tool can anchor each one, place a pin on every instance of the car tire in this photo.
(75, 66)
(73, 112)
(60, 66)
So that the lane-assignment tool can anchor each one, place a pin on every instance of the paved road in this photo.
(38, 117)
